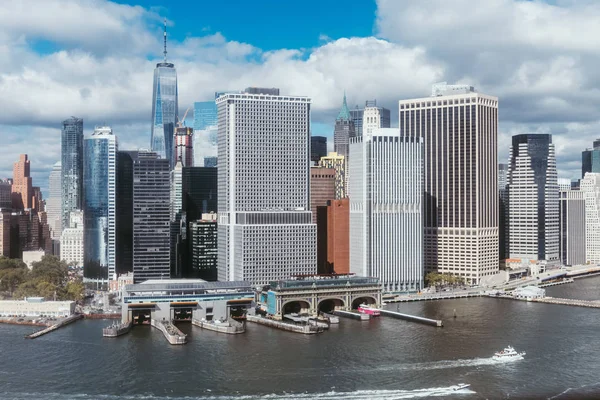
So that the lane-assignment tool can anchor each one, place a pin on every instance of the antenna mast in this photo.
(165, 41)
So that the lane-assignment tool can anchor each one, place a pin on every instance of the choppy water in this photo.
(380, 359)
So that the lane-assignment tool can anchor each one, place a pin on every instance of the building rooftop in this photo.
(162, 281)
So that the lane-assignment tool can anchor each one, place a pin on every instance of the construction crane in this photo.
(181, 122)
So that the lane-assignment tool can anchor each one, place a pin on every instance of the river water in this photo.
(380, 359)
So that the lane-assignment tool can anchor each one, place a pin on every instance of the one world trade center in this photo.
(164, 107)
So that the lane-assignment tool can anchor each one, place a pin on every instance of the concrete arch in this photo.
(295, 306)
(366, 299)
(330, 303)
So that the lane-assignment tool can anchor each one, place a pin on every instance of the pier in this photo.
(304, 329)
(554, 300)
(54, 327)
(172, 334)
(559, 282)
(231, 327)
(436, 296)
(351, 314)
(412, 318)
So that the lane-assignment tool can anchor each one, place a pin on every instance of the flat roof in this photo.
(159, 281)
(185, 284)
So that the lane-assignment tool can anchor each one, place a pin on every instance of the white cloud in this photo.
(539, 59)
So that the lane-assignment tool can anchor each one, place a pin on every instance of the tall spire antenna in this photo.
(165, 41)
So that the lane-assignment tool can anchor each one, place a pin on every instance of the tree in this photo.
(51, 269)
(73, 291)
(10, 279)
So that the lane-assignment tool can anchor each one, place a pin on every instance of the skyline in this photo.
(544, 79)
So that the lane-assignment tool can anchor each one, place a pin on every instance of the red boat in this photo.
(365, 309)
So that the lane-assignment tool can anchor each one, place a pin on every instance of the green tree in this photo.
(73, 291)
(50, 269)
(10, 279)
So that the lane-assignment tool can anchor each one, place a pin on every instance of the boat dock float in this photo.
(412, 318)
(54, 327)
(353, 315)
(304, 329)
(171, 332)
(231, 327)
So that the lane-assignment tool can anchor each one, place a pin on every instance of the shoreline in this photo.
(12, 321)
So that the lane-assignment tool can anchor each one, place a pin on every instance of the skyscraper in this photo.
(5, 194)
(572, 227)
(336, 162)
(124, 212)
(322, 188)
(590, 159)
(71, 239)
(333, 237)
(204, 250)
(71, 167)
(99, 205)
(178, 220)
(198, 199)
(205, 115)
(265, 231)
(503, 206)
(533, 200)
(590, 186)
(318, 148)
(343, 131)
(382, 114)
(460, 133)
(53, 204)
(22, 190)
(386, 222)
(184, 151)
(210, 162)
(374, 117)
(164, 107)
(151, 222)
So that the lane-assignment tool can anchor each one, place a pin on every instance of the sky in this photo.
(94, 59)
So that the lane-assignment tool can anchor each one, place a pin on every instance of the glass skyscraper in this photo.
(205, 115)
(71, 167)
(164, 109)
(590, 159)
(99, 204)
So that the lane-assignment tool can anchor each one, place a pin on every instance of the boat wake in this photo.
(474, 362)
(333, 395)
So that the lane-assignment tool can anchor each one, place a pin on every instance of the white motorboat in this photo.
(509, 353)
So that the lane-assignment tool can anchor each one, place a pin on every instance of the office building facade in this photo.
(53, 203)
(318, 148)
(460, 134)
(590, 186)
(210, 162)
(205, 115)
(22, 190)
(382, 114)
(203, 248)
(71, 240)
(336, 162)
(503, 207)
(99, 204)
(533, 200)
(71, 168)
(5, 194)
(151, 217)
(590, 159)
(184, 142)
(322, 188)
(333, 237)
(572, 227)
(124, 212)
(386, 221)
(265, 231)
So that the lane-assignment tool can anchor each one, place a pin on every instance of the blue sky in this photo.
(267, 24)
